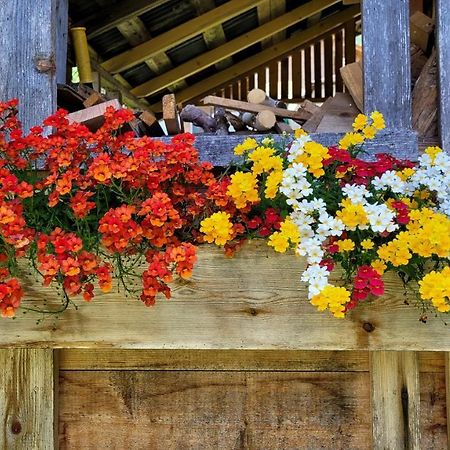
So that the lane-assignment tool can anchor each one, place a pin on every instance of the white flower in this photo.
(356, 193)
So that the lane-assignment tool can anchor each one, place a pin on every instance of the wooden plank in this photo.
(29, 73)
(308, 76)
(297, 74)
(421, 29)
(221, 52)
(92, 117)
(284, 72)
(261, 79)
(338, 115)
(62, 30)
(177, 35)
(349, 42)
(237, 105)
(328, 67)
(443, 49)
(231, 360)
(273, 80)
(352, 77)
(338, 48)
(318, 70)
(94, 99)
(269, 54)
(209, 410)
(27, 399)
(395, 400)
(387, 67)
(170, 114)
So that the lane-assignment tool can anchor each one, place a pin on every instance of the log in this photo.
(418, 61)
(283, 128)
(352, 77)
(94, 99)
(424, 99)
(151, 123)
(199, 118)
(259, 97)
(421, 29)
(263, 121)
(170, 114)
(221, 120)
(235, 121)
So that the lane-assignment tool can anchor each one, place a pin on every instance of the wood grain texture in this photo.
(62, 29)
(208, 410)
(28, 72)
(27, 399)
(226, 306)
(387, 77)
(395, 400)
(443, 48)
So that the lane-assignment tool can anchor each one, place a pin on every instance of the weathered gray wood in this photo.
(219, 149)
(62, 28)
(27, 43)
(386, 60)
(443, 46)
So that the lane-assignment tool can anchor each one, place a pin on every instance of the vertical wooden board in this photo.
(350, 50)
(262, 78)
(308, 86)
(328, 69)
(273, 79)
(27, 399)
(318, 70)
(210, 410)
(433, 414)
(395, 400)
(62, 29)
(27, 43)
(386, 60)
(443, 47)
(284, 66)
(296, 74)
(338, 55)
(251, 81)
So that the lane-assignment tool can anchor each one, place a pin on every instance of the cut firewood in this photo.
(339, 114)
(199, 118)
(424, 99)
(262, 121)
(235, 121)
(148, 118)
(94, 99)
(352, 77)
(421, 29)
(92, 117)
(418, 61)
(282, 127)
(221, 120)
(250, 107)
(170, 114)
(308, 109)
(150, 124)
(259, 97)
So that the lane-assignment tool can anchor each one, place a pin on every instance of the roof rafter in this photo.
(229, 48)
(177, 35)
(266, 55)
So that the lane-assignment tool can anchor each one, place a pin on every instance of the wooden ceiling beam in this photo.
(177, 35)
(298, 39)
(229, 48)
(111, 17)
(267, 11)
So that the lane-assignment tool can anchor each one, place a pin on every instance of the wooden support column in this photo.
(443, 47)
(27, 399)
(395, 400)
(62, 29)
(28, 48)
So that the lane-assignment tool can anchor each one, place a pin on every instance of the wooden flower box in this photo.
(247, 313)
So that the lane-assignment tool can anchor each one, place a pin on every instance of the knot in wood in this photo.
(16, 427)
(44, 64)
(367, 326)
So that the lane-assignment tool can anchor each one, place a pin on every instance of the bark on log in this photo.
(263, 121)
(199, 118)
(235, 122)
(221, 120)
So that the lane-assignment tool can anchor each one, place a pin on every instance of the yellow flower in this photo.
(279, 242)
(346, 245)
(378, 120)
(406, 173)
(312, 158)
(369, 132)
(290, 230)
(273, 181)
(246, 146)
(334, 298)
(360, 122)
(267, 141)
(435, 286)
(264, 161)
(352, 214)
(299, 132)
(243, 189)
(351, 139)
(379, 266)
(217, 228)
(432, 152)
(367, 244)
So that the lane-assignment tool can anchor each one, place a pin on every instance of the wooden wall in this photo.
(230, 400)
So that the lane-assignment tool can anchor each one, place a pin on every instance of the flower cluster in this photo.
(85, 207)
(369, 217)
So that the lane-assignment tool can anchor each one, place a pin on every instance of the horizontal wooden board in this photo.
(231, 360)
(253, 301)
(209, 410)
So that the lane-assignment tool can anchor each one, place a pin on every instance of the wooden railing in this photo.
(309, 72)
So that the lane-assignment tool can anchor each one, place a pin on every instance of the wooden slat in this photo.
(273, 80)
(177, 35)
(350, 51)
(443, 48)
(328, 69)
(338, 59)
(317, 70)
(210, 411)
(284, 67)
(62, 29)
(27, 399)
(28, 71)
(269, 54)
(308, 76)
(296, 74)
(387, 68)
(352, 77)
(262, 78)
(395, 400)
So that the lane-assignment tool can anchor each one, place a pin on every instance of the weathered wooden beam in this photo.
(116, 14)
(443, 49)
(269, 54)
(27, 399)
(229, 48)
(395, 400)
(177, 35)
(28, 71)
(386, 60)
(62, 30)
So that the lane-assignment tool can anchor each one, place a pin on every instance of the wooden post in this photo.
(395, 400)
(28, 47)
(443, 47)
(27, 399)
(386, 60)
(62, 29)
